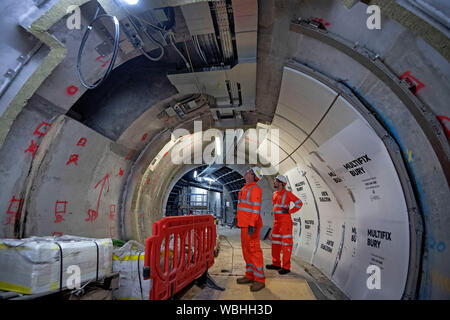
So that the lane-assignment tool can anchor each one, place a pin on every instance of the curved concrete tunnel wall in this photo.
(80, 182)
(354, 212)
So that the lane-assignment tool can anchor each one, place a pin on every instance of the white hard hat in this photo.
(257, 172)
(282, 179)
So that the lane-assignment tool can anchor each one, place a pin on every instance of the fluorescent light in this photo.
(195, 174)
(131, 2)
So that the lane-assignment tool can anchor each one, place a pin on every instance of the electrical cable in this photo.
(161, 47)
(198, 48)
(166, 33)
(114, 55)
(170, 33)
(139, 274)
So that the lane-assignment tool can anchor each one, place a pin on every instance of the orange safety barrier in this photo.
(180, 250)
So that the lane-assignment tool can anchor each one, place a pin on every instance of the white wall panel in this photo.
(286, 165)
(299, 159)
(361, 160)
(285, 144)
(340, 116)
(301, 153)
(309, 146)
(331, 222)
(303, 98)
(294, 132)
(305, 220)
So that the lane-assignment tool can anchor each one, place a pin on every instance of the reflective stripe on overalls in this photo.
(282, 240)
(249, 214)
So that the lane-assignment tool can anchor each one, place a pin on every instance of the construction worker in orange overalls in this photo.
(282, 227)
(250, 222)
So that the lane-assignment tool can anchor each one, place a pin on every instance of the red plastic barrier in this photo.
(180, 250)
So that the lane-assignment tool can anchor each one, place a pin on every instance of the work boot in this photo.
(256, 286)
(243, 280)
(284, 271)
(272, 267)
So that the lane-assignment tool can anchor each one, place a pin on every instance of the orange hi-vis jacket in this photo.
(282, 240)
(283, 199)
(249, 206)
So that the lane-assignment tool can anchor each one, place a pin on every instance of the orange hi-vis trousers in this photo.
(282, 240)
(253, 256)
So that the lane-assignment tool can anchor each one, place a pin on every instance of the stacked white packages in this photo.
(128, 261)
(46, 264)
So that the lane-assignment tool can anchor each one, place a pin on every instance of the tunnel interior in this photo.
(355, 116)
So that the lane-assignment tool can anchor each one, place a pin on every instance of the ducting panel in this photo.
(198, 18)
(246, 28)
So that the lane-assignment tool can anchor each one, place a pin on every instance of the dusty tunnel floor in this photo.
(304, 282)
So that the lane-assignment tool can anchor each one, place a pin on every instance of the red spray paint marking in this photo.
(148, 181)
(82, 142)
(444, 120)
(120, 174)
(321, 21)
(32, 148)
(166, 119)
(40, 133)
(130, 154)
(72, 159)
(104, 63)
(165, 154)
(111, 232)
(60, 208)
(14, 210)
(144, 137)
(59, 234)
(414, 84)
(71, 90)
(93, 214)
(112, 212)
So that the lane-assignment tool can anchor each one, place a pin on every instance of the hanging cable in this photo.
(170, 34)
(114, 55)
(161, 47)
(198, 48)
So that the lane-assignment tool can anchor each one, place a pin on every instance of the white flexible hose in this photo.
(171, 35)
(150, 57)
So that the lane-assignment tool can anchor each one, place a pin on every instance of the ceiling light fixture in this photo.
(131, 2)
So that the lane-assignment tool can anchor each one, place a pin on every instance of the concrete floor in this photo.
(230, 265)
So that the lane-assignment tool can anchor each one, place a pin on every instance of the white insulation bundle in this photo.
(46, 264)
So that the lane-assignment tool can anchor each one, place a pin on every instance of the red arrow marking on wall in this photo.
(93, 214)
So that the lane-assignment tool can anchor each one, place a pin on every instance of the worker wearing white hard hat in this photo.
(256, 171)
(282, 179)
(282, 240)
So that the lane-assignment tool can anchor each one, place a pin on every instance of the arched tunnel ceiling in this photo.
(51, 161)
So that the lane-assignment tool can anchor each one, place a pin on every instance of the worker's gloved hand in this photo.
(251, 230)
(284, 210)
